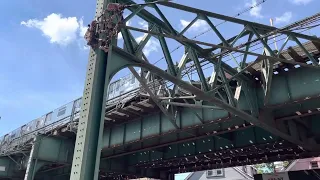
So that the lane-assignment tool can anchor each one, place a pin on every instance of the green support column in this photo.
(85, 151)
(47, 150)
(167, 54)
(33, 164)
(86, 158)
(101, 68)
(9, 169)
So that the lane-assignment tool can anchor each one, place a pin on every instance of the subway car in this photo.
(63, 115)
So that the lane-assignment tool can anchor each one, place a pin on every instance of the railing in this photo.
(59, 117)
(128, 88)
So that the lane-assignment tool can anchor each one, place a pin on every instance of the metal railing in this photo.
(16, 140)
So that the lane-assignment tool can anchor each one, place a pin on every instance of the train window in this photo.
(13, 135)
(111, 88)
(6, 137)
(38, 124)
(133, 79)
(23, 128)
(117, 85)
(61, 111)
(77, 104)
(127, 79)
(123, 81)
(48, 117)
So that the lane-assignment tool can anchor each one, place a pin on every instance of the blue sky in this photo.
(43, 57)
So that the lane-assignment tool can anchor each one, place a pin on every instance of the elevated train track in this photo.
(133, 105)
(192, 130)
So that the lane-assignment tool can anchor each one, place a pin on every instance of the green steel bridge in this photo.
(265, 108)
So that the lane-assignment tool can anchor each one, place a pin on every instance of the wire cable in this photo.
(204, 32)
(206, 62)
(301, 23)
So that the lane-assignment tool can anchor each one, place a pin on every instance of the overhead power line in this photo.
(204, 32)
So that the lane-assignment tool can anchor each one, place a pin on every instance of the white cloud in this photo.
(144, 25)
(151, 46)
(299, 2)
(285, 18)
(138, 39)
(198, 25)
(83, 29)
(82, 44)
(120, 35)
(128, 23)
(256, 11)
(60, 30)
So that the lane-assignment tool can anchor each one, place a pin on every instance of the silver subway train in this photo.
(63, 115)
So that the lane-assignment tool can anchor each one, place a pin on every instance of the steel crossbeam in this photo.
(245, 112)
(226, 81)
(206, 97)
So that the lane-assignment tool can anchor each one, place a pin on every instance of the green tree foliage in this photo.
(269, 167)
(286, 163)
(265, 168)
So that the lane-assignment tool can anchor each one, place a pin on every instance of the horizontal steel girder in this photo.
(147, 16)
(9, 169)
(205, 153)
(234, 20)
(260, 57)
(120, 54)
(45, 151)
(167, 28)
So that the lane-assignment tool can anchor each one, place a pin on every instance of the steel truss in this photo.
(223, 88)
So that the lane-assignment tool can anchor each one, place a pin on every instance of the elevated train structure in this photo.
(66, 117)
(263, 111)
(126, 100)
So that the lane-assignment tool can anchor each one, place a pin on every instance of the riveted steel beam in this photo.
(203, 80)
(167, 28)
(86, 157)
(214, 46)
(34, 164)
(153, 97)
(167, 54)
(146, 87)
(234, 20)
(188, 26)
(120, 54)
(314, 62)
(193, 106)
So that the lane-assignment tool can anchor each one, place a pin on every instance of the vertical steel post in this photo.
(86, 158)
(32, 162)
(70, 128)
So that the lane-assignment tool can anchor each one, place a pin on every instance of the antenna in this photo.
(274, 36)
